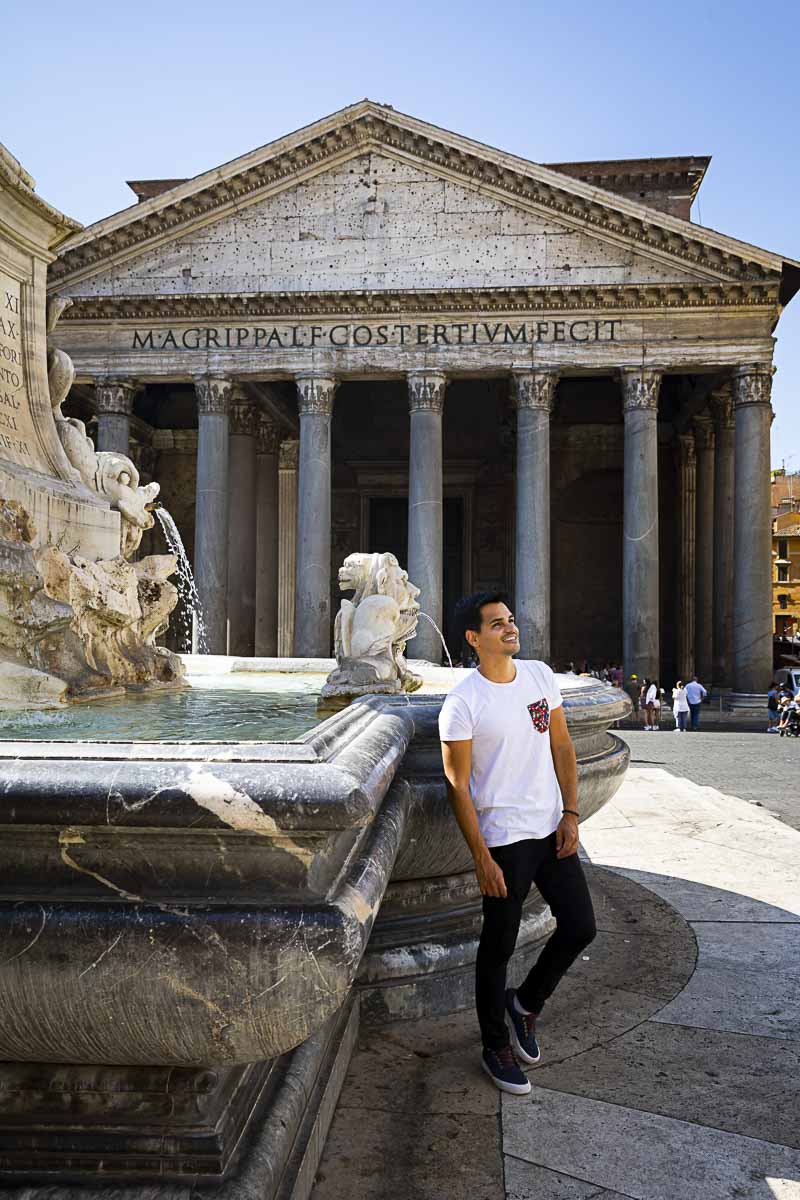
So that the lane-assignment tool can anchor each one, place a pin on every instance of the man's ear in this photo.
(471, 638)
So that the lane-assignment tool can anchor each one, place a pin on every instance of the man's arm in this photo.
(566, 768)
(457, 759)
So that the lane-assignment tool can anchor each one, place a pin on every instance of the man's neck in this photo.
(498, 668)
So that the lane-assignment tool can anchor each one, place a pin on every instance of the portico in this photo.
(542, 373)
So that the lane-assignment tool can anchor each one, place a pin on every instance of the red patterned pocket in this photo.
(540, 715)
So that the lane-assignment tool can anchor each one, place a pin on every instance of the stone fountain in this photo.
(191, 932)
(78, 619)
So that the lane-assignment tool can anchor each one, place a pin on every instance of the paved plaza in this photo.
(671, 1054)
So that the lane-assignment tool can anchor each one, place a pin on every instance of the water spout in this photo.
(191, 626)
(441, 636)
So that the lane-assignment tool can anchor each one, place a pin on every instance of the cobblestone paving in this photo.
(759, 767)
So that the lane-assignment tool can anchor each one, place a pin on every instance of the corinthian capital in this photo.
(535, 389)
(640, 388)
(752, 384)
(315, 394)
(426, 391)
(722, 407)
(268, 436)
(115, 395)
(288, 454)
(704, 432)
(684, 445)
(213, 395)
(243, 415)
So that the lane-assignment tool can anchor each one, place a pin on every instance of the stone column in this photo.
(722, 675)
(752, 562)
(242, 526)
(312, 619)
(704, 549)
(685, 598)
(114, 401)
(266, 640)
(534, 393)
(425, 523)
(211, 512)
(287, 544)
(640, 640)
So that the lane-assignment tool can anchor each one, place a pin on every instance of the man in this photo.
(695, 695)
(511, 778)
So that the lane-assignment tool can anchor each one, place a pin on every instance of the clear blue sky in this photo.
(102, 93)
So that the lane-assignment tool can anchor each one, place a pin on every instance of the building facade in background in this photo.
(374, 334)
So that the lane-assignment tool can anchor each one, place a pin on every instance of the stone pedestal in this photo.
(752, 585)
(723, 539)
(287, 544)
(640, 639)
(242, 526)
(114, 400)
(704, 551)
(534, 393)
(266, 637)
(685, 597)
(425, 530)
(211, 512)
(312, 621)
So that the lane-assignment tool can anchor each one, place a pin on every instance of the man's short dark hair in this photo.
(468, 614)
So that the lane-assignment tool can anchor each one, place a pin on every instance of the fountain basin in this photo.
(213, 905)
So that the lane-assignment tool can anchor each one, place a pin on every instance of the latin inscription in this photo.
(15, 415)
(349, 336)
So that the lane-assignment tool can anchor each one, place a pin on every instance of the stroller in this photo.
(790, 725)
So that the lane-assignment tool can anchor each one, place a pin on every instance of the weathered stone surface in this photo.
(372, 629)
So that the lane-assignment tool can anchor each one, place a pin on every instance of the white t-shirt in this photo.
(652, 695)
(513, 781)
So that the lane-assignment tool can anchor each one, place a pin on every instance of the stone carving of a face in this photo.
(118, 480)
(352, 572)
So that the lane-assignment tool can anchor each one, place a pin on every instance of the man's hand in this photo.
(491, 880)
(567, 836)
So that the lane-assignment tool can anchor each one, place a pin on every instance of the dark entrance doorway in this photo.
(388, 531)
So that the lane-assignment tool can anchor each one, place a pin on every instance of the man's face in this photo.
(499, 633)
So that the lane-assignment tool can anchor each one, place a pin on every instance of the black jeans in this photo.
(563, 885)
(694, 709)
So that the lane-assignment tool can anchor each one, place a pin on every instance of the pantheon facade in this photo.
(374, 334)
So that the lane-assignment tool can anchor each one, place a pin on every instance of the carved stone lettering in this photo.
(17, 438)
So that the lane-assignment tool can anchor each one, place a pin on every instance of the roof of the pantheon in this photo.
(648, 199)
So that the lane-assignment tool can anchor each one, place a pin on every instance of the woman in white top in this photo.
(680, 707)
(651, 703)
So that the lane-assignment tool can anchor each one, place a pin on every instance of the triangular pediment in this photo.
(370, 199)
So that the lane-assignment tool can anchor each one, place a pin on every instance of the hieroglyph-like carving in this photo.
(372, 629)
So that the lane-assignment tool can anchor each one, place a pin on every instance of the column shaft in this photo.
(704, 587)
(287, 544)
(640, 524)
(686, 555)
(425, 522)
(242, 528)
(114, 400)
(211, 513)
(312, 622)
(534, 396)
(752, 587)
(723, 540)
(266, 636)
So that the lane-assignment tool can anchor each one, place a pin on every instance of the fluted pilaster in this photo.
(534, 398)
(426, 392)
(640, 562)
(312, 635)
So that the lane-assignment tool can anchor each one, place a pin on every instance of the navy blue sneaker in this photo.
(502, 1069)
(523, 1031)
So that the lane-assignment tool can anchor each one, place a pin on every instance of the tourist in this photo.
(652, 704)
(695, 694)
(680, 707)
(772, 707)
(643, 690)
(511, 778)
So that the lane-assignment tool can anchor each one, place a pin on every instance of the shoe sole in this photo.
(514, 1089)
(518, 1050)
